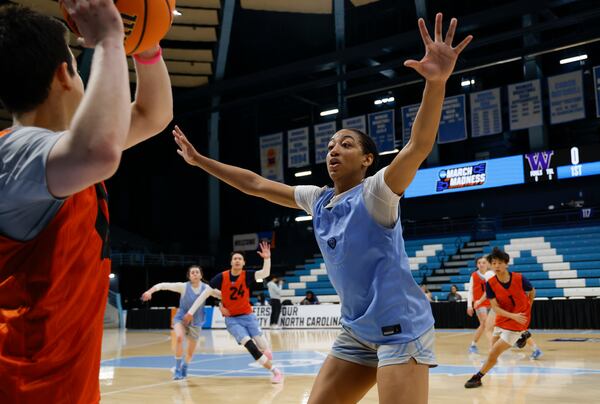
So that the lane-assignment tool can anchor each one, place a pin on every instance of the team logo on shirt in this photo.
(462, 177)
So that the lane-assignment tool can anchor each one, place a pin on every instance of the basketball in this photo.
(145, 22)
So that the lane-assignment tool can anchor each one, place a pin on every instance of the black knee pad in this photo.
(253, 349)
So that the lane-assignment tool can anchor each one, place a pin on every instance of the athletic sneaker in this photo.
(268, 354)
(277, 377)
(521, 342)
(184, 371)
(474, 381)
(537, 354)
(177, 375)
(473, 349)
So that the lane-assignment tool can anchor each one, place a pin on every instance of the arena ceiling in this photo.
(302, 50)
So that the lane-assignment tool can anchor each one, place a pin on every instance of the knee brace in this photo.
(253, 349)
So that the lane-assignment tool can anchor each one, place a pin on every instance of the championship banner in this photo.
(292, 316)
(298, 147)
(597, 89)
(409, 113)
(453, 125)
(323, 134)
(382, 129)
(566, 97)
(358, 122)
(525, 105)
(271, 156)
(486, 113)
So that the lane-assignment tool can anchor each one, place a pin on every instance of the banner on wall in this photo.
(323, 133)
(298, 147)
(409, 113)
(382, 129)
(453, 125)
(249, 241)
(271, 156)
(295, 316)
(566, 97)
(486, 113)
(358, 122)
(597, 89)
(525, 105)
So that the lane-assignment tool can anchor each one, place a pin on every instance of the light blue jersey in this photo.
(186, 301)
(368, 267)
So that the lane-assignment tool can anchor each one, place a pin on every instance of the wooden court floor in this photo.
(136, 368)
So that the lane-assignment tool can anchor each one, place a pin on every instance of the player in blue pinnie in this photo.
(189, 292)
(387, 337)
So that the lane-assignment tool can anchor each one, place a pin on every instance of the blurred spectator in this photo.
(262, 300)
(453, 296)
(427, 292)
(275, 286)
(310, 298)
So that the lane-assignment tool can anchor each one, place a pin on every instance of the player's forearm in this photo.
(265, 271)
(244, 180)
(153, 105)
(427, 121)
(200, 300)
(101, 123)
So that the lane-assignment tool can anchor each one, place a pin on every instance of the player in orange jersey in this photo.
(240, 320)
(54, 240)
(511, 296)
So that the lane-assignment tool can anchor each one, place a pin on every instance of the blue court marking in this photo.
(303, 363)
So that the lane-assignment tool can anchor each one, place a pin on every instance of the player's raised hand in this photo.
(440, 57)
(265, 250)
(96, 20)
(186, 149)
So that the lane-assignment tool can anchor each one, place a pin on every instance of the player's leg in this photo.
(179, 329)
(348, 373)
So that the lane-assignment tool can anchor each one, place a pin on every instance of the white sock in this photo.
(473, 343)
(274, 369)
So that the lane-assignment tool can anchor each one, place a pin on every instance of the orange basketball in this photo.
(146, 22)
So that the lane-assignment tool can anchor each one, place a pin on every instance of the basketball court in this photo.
(136, 367)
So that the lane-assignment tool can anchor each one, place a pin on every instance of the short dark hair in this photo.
(368, 145)
(498, 254)
(192, 267)
(32, 48)
(240, 253)
(480, 257)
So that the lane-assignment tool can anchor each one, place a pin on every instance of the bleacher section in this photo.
(425, 256)
(560, 263)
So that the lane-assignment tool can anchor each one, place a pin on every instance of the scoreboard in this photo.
(552, 165)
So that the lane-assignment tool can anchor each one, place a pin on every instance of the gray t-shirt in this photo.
(381, 202)
(26, 205)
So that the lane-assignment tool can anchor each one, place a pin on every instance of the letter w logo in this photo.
(539, 160)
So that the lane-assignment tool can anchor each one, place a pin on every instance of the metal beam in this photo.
(340, 45)
(358, 53)
(421, 6)
(214, 192)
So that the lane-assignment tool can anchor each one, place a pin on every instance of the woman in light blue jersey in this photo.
(189, 292)
(387, 337)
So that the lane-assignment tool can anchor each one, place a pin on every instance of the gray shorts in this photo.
(191, 331)
(349, 348)
(485, 310)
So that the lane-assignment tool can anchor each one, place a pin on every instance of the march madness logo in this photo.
(462, 177)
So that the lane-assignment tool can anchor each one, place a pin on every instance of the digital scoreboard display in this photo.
(552, 165)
